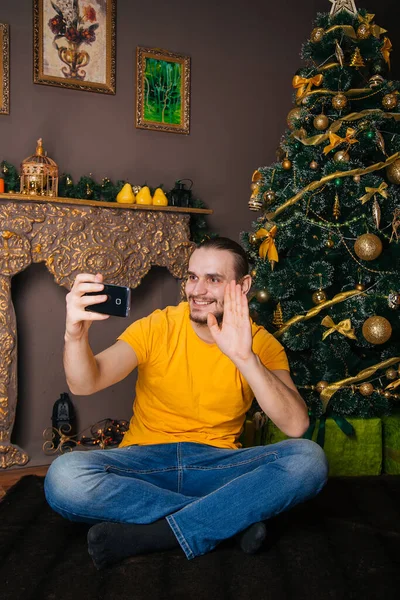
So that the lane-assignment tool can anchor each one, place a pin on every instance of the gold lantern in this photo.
(39, 174)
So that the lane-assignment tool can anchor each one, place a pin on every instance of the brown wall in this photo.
(244, 55)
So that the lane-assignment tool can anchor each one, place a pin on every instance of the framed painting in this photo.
(74, 44)
(162, 90)
(4, 69)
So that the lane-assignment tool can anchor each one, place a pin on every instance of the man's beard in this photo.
(202, 320)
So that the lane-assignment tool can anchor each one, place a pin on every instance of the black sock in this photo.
(112, 542)
(253, 538)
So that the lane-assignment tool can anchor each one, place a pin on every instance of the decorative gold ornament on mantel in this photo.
(39, 174)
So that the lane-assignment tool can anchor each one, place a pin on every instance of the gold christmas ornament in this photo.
(253, 239)
(319, 297)
(39, 174)
(357, 60)
(366, 389)
(394, 303)
(329, 243)
(339, 102)
(293, 115)
(339, 53)
(269, 196)
(368, 246)
(341, 156)
(375, 81)
(314, 165)
(255, 204)
(321, 122)
(277, 319)
(377, 330)
(356, 178)
(287, 164)
(393, 172)
(336, 207)
(321, 385)
(262, 296)
(364, 31)
(389, 101)
(253, 273)
(360, 287)
(317, 34)
(391, 374)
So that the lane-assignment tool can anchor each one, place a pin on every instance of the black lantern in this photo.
(63, 418)
(180, 196)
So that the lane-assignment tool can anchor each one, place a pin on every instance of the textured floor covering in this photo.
(345, 544)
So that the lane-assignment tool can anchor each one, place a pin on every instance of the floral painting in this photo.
(75, 44)
(162, 90)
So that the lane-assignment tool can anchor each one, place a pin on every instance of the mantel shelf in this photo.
(118, 205)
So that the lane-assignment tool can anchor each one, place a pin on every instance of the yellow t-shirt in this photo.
(188, 390)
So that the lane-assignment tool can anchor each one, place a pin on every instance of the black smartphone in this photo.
(118, 301)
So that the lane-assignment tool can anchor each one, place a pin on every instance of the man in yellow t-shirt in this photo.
(180, 478)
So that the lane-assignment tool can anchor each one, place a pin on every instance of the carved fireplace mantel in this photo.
(73, 236)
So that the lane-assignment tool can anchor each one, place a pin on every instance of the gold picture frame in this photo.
(4, 69)
(168, 74)
(74, 44)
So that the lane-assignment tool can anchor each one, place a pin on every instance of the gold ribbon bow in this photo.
(386, 50)
(344, 327)
(372, 191)
(268, 248)
(375, 29)
(335, 140)
(304, 85)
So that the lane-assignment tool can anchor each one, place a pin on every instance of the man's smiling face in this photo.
(209, 272)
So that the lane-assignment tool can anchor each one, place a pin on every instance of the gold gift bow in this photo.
(372, 191)
(304, 85)
(316, 184)
(375, 29)
(328, 392)
(386, 50)
(335, 140)
(268, 248)
(344, 327)
(315, 310)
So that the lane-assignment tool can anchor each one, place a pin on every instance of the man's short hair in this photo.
(239, 255)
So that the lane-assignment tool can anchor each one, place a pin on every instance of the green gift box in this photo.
(358, 454)
(391, 444)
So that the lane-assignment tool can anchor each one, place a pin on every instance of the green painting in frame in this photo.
(74, 44)
(162, 90)
(4, 69)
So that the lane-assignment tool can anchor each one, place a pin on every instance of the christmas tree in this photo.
(325, 252)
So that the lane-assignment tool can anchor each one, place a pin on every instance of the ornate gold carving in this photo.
(69, 239)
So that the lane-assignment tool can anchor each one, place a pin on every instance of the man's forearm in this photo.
(80, 366)
(283, 405)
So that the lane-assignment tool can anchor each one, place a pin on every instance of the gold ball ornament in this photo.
(329, 243)
(339, 102)
(391, 374)
(317, 34)
(253, 239)
(341, 156)
(269, 196)
(262, 296)
(253, 273)
(389, 101)
(356, 178)
(360, 287)
(293, 115)
(363, 32)
(321, 385)
(314, 165)
(287, 164)
(368, 246)
(366, 389)
(319, 297)
(386, 394)
(377, 330)
(393, 172)
(321, 122)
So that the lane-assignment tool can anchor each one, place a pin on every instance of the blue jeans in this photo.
(207, 494)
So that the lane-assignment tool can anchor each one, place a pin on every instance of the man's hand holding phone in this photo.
(78, 318)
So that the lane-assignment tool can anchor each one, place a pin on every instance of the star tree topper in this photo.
(338, 5)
